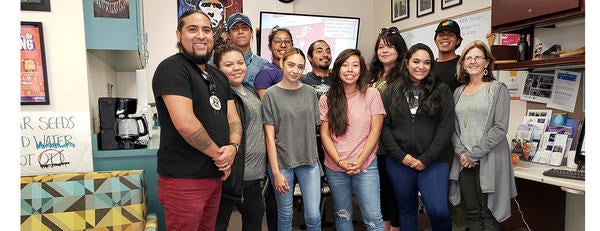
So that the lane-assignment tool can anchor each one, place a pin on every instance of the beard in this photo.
(197, 59)
(324, 67)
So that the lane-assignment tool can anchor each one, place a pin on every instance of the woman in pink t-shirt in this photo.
(352, 115)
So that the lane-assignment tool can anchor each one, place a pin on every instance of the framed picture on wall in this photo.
(399, 10)
(424, 7)
(218, 11)
(34, 77)
(450, 3)
(35, 5)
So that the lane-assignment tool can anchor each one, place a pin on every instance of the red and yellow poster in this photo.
(33, 72)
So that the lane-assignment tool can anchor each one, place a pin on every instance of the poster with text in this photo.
(33, 78)
(55, 142)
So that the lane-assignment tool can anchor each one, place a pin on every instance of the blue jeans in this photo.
(432, 182)
(366, 189)
(309, 179)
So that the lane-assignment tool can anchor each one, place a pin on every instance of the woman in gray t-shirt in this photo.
(290, 114)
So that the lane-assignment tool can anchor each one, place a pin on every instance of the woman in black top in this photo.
(416, 136)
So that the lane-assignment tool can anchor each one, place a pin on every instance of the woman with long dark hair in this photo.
(390, 49)
(416, 136)
(352, 114)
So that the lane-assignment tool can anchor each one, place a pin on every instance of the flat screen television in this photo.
(339, 32)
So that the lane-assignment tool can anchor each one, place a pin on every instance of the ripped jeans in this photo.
(366, 188)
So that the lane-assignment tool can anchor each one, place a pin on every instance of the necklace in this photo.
(243, 92)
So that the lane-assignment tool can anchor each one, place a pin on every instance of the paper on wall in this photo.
(565, 90)
(538, 87)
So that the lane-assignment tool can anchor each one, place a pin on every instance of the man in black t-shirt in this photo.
(200, 128)
(447, 39)
(319, 57)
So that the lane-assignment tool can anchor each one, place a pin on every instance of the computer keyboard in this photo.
(563, 173)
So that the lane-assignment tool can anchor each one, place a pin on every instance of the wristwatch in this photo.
(236, 145)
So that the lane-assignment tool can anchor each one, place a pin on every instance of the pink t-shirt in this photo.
(360, 109)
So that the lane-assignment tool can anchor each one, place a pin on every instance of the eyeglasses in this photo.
(476, 58)
(279, 41)
(275, 28)
(391, 30)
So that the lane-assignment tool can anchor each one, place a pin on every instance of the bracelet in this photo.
(338, 163)
(235, 145)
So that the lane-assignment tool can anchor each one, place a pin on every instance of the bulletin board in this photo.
(55, 142)
(472, 27)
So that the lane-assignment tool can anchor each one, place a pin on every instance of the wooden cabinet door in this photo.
(508, 11)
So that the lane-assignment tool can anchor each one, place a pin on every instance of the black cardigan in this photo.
(428, 138)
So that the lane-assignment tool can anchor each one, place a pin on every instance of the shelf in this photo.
(538, 22)
(571, 62)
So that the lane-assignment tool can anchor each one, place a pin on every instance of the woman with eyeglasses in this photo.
(481, 176)
(416, 136)
(290, 115)
(280, 40)
(390, 50)
(352, 114)
(243, 188)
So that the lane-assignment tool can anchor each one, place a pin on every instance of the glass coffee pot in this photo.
(130, 128)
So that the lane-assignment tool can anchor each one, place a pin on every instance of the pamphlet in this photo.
(565, 90)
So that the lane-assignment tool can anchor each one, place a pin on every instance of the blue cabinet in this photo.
(114, 31)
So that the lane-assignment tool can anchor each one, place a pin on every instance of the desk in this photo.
(534, 171)
(574, 195)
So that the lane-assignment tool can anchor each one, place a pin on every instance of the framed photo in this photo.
(35, 5)
(424, 7)
(34, 77)
(450, 3)
(399, 10)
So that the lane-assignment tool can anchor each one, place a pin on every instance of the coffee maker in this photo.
(120, 127)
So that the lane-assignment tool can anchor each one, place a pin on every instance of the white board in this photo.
(472, 27)
(55, 142)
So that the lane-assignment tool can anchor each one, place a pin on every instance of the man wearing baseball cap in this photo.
(447, 38)
(240, 33)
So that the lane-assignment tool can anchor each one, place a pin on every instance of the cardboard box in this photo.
(501, 52)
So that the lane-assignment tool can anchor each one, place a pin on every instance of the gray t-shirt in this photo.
(471, 113)
(295, 114)
(256, 150)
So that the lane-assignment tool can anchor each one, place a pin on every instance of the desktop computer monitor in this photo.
(580, 153)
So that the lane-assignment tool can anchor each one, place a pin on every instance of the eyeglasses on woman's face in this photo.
(278, 42)
(477, 59)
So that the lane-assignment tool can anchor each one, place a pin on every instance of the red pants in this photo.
(190, 204)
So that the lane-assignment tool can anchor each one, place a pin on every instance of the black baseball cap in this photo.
(449, 25)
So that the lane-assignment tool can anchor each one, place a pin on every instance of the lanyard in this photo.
(213, 100)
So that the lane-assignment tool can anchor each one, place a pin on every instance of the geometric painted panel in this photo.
(84, 201)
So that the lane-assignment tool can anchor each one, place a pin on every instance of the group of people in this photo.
(405, 128)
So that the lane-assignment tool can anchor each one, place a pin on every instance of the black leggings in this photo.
(252, 208)
(479, 216)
